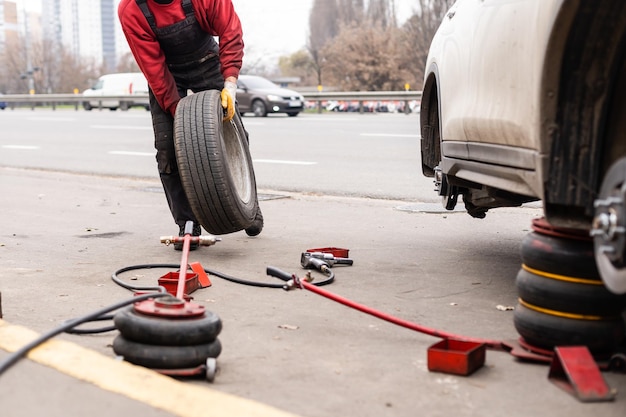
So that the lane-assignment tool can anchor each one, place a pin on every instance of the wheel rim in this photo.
(237, 161)
(609, 228)
(258, 108)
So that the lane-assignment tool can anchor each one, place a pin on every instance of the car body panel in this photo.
(525, 96)
(525, 100)
(487, 110)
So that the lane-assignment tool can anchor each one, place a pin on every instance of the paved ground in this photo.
(62, 235)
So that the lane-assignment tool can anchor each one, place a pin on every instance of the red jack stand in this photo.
(574, 370)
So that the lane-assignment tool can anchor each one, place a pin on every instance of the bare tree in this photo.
(382, 12)
(418, 33)
(299, 64)
(365, 57)
(127, 63)
(351, 11)
(323, 27)
(52, 68)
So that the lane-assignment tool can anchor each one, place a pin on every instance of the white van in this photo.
(120, 84)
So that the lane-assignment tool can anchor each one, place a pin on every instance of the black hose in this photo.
(10, 360)
(330, 277)
(94, 331)
(100, 315)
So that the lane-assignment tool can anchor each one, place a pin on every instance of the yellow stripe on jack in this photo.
(135, 382)
(561, 313)
(562, 277)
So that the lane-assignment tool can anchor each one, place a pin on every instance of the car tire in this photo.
(87, 106)
(165, 357)
(259, 108)
(142, 328)
(215, 164)
(549, 330)
(293, 113)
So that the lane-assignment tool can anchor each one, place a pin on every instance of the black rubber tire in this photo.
(142, 328)
(293, 113)
(547, 331)
(569, 257)
(585, 297)
(214, 164)
(165, 357)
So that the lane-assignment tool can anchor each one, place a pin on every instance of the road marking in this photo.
(390, 135)
(121, 127)
(276, 161)
(52, 119)
(130, 153)
(135, 382)
(27, 147)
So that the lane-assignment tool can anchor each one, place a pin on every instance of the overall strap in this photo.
(146, 12)
(188, 8)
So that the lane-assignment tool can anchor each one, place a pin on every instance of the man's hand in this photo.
(228, 98)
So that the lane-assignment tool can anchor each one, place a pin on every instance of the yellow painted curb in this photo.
(135, 382)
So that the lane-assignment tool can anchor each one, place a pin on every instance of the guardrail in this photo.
(363, 96)
(57, 99)
(319, 97)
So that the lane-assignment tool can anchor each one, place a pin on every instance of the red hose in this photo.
(491, 344)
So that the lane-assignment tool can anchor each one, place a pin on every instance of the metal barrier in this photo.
(54, 100)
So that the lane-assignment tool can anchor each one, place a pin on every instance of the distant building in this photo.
(11, 24)
(86, 28)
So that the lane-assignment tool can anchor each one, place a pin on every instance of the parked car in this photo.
(524, 101)
(260, 96)
(120, 84)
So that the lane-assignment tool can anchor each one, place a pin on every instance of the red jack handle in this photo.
(294, 281)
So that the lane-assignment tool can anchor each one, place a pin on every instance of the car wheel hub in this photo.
(608, 228)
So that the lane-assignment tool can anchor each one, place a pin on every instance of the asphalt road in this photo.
(371, 155)
(92, 204)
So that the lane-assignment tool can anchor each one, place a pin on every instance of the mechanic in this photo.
(174, 46)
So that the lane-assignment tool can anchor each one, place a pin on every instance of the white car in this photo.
(525, 100)
(129, 84)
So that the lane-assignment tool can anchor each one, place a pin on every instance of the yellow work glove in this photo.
(228, 100)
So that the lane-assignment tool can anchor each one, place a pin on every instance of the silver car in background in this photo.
(260, 96)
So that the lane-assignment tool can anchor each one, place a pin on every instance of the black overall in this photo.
(192, 57)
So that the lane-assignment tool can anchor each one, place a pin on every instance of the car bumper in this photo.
(284, 107)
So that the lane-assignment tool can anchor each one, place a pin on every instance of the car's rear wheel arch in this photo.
(583, 102)
(430, 125)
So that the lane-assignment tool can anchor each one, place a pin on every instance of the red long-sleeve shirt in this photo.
(216, 17)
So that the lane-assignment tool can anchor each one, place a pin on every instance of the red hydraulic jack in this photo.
(181, 284)
(572, 368)
(183, 338)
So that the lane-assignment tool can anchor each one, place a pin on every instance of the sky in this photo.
(280, 27)
(273, 28)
